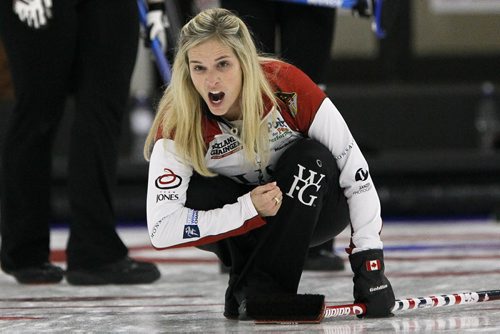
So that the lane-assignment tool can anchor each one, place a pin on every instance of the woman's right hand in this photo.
(267, 199)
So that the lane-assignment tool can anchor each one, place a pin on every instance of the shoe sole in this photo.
(39, 282)
(36, 278)
(82, 278)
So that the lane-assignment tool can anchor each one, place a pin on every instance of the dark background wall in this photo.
(411, 101)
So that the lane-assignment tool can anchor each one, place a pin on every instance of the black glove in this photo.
(371, 287)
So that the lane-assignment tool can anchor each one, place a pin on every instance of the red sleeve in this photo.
(299, 94)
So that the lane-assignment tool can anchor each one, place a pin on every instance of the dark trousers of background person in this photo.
(89, 48)
(305, 32)
(314, 209)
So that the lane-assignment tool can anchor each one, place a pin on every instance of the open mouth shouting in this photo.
(216, 97)
(216, 74)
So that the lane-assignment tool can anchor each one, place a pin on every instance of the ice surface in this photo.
(422, 259)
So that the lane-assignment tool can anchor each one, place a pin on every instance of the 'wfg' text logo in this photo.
(304, 184)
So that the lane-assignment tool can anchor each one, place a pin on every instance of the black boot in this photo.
(44, 273)
(125, 271)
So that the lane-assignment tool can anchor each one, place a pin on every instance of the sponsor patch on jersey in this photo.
(157, 226)
(278, 130)
(361, 174)
(290, 99)
(346, 150)
(168, 180)
(191, 229)
(222, 148)
(363, 188)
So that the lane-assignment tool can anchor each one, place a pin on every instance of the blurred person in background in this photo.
(86, 48)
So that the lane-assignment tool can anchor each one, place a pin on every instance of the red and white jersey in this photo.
(304, 111)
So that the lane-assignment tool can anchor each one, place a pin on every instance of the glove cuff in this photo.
(367, 261)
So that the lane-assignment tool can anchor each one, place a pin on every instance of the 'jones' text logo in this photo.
(301, 184)
(168, 197)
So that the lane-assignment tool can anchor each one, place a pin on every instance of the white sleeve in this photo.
(329, 128)
(169, 222)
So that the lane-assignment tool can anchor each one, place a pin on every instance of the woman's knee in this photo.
(307, 166)
(333, 219)
(310, 154)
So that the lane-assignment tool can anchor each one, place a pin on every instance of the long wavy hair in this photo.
(180, 111)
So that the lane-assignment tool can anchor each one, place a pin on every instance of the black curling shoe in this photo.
(125, 271)
(45, 273)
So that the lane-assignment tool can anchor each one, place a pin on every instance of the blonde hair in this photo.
(180, 111)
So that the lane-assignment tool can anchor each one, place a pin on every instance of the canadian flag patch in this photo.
(372, 265)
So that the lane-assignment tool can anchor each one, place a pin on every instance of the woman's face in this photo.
(216, 74)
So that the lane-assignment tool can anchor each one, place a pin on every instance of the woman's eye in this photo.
(224, 64)
(197, 68)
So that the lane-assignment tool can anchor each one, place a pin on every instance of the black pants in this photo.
(314, 209)
(305, 34)
(88, 49)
